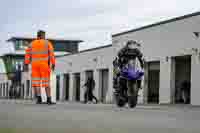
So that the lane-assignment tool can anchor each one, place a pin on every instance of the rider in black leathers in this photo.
(130, 51)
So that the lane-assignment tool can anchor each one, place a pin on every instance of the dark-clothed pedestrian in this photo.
(90, 85)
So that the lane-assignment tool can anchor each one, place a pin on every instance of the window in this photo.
(59, 46)
(65, 46)
(17, 45)
(21, 44)
(26, 43)
(16, 65)
(19, 65)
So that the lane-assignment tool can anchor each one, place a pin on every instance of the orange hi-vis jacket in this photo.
(40, 54)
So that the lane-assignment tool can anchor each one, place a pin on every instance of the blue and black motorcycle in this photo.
(126, 82)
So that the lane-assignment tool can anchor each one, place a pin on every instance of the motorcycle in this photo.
(127, 90)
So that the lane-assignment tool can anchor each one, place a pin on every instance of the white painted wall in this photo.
(62, 92)
(165, 84)
(84, 61)
(195, 74)
(82, 89)
(71, 85)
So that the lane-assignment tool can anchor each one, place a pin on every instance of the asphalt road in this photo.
(80, 118)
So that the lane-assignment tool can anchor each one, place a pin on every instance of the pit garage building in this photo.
(171, 49)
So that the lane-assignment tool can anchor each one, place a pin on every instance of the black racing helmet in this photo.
(133, 42)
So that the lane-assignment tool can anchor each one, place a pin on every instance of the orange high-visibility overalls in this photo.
(41, 55)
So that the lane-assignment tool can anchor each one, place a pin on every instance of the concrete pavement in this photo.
(25, 116)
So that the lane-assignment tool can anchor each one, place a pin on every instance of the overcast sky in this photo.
(90, 20)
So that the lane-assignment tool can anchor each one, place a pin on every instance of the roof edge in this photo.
(96, 48)
(158, 23)
(51, 39)
(88, 50)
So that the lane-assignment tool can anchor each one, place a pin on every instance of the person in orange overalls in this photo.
(40, 54)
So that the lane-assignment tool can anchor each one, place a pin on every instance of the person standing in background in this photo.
(40, 54)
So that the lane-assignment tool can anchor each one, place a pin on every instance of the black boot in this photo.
(49, 102)
(39, 100)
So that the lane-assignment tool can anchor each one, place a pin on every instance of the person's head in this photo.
(132, 44)
(41, 34)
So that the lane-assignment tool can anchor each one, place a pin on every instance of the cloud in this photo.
(90, 20)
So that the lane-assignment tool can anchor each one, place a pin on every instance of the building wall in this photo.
(94, 60)
(167, 40)
(85, 61)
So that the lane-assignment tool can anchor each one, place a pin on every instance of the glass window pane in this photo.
(17, 45)
(59, 46)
